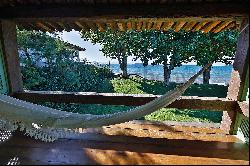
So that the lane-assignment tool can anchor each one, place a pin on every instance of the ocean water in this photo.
(219, 74)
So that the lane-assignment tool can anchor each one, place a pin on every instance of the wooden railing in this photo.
(184, 102)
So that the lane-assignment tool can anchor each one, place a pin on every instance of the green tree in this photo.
(163, 48)
(115, 45)
(213, 47)
(167, 48)
(48, 63)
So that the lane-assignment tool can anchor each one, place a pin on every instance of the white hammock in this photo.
(49, 124)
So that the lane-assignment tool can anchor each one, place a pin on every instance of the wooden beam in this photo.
(112, 25)
(208, 9)
(200, 25)
(149, 25)
(189, 26)
(43, 26)
(139, 26)
(185, 102)
(179, 25)
(101, 26)
(238, 76)
(158, 25)
(211, 26)
(9, 42)
(221, 26)
(167, 25)
(243, 108)
(122, 26)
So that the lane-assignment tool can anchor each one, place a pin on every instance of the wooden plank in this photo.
(139, 26)
(101, 26)
(121, 26)
(211, 26)
(179, 25)
(200, 25)
(134, 21)
(189, 26)
(54, 26)
(117, 147)
(158, 25)
(149, 25)
(79, 24)
(11, 58)
(167, 25)
(238, 76)
(185, 102)
(43, 26)
(208, 9)
(112, 25)
(222, 26)
(129, 25)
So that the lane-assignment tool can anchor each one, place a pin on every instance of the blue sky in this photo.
(92, 52)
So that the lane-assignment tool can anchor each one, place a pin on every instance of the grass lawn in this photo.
(141, 85)
(137, 85)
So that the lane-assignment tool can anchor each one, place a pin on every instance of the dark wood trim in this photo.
(238, 77)
(8, 39)
(243, 108)
(185, 102)
(206, 9)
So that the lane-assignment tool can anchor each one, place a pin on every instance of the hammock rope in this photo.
(49, 124)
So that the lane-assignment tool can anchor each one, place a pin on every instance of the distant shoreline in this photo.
(219, 74)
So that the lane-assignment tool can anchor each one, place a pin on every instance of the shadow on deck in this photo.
(136, 142)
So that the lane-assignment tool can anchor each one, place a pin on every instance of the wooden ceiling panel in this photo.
(204, 25)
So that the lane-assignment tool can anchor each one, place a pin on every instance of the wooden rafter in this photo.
(200, 25)
(210, 26)
(167, 25)
(121, 26)
(179, 25)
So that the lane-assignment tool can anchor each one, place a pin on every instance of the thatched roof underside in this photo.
(121, 15)
(135, 24)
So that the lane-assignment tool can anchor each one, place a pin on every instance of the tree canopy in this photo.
(213, 47)
(48, 63)
(171, 49)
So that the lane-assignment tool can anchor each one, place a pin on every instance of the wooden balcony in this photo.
(135, 142)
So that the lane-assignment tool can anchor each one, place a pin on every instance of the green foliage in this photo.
(127, 86)
(49, 64)
(185, 115)
(115, 45)
(170, 48)
(62, 73)
(135, 85)
(214, 47)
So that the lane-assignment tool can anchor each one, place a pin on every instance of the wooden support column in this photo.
(239, 76)
(8, 37)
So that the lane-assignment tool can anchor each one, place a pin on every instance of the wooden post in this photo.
(8, 37)
(3, 77)
(239, 76)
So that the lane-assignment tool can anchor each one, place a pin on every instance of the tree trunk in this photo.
(123, 66)
(206, 75)
(167, 73)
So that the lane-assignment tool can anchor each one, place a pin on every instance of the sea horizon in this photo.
(219, 74)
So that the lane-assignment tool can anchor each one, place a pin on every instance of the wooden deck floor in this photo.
(136, 142)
